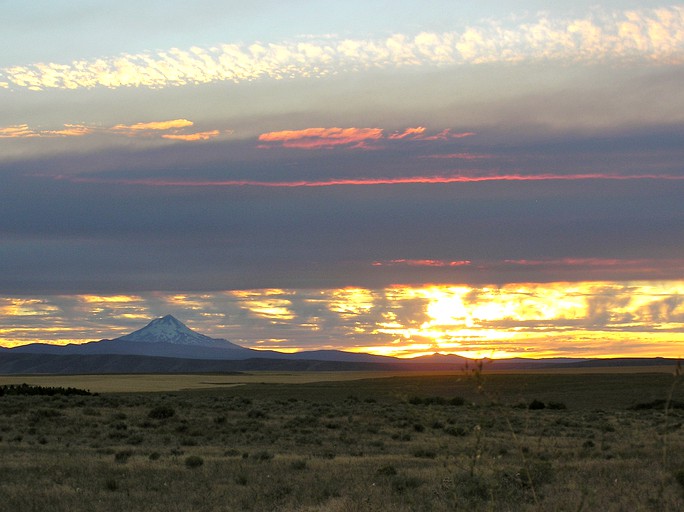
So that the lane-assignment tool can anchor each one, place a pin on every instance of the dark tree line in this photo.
(27, 389)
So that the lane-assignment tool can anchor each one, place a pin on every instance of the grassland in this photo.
(463, 441)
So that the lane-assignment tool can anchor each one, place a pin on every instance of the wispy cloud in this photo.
(315, 138)
(655, 35)
(422, 263)
(153, 126)
(174, 129)
(356, 138)
(191, 137)
(459, 156)
(402, 180)
(23, 131)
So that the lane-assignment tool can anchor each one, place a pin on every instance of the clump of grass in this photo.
(262, 456)
(402, 483)
(193, 461)
(122, 456)
(425, 453)
(298, 465)
(387, 470)
(679, 477)
(111, 484)
(161, 412)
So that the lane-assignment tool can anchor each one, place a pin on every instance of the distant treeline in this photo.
(26, 389)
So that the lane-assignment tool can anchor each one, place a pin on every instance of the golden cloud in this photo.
(154, 125)
(174, 128)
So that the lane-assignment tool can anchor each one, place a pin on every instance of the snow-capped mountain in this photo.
(170, 330)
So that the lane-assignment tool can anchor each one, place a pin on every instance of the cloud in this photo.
(191, 137)
(154, 125)
(401, 180)
(358, 138)
(23, 131)
(459, 156)
(408, 132)
(422, 263)
(654, 35)
(533, 319)
(316, 138)
(174, 130)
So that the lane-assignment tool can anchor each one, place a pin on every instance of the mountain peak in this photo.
(168, 329)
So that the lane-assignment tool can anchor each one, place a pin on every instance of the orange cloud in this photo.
(406, 180)
(69, 130)
(23, 131)
(446, 135)
(154, 126)
(422, 263)
(315, 138)
(191, 137)
(174, 128)
(418, 130)
(17, 131)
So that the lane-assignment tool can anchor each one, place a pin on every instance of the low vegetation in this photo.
(423, 443)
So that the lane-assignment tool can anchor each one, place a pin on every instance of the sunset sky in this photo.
(398, 177)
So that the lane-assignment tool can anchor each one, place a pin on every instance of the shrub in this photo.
(193, 461)
(456, 431)
(387, 470)
(298, 465)
(161, 412)
(424, 453)
(536, 405)
(557, 406)
(679, 476)
(262, 455)
(401, 483)
(122, 456)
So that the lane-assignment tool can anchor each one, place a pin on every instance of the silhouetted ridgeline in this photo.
(12, 363)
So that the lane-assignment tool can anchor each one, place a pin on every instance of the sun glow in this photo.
(585, 319)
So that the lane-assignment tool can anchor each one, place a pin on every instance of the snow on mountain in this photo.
(168, 329)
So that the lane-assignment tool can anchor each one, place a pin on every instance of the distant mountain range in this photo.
(166, 345)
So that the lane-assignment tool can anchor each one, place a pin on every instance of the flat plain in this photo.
(469, 440)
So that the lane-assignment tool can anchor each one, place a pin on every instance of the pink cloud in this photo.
(422, 263)
(316, 138)
(408, 132)
(460, 156)
(192, 137)
(366, 138)
(446, 135)
(406, 180)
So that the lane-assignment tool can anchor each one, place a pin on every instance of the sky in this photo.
(492, 179)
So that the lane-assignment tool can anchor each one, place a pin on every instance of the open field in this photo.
(528, 441)
(121, 383)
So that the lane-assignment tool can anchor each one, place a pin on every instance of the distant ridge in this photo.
(166, 345)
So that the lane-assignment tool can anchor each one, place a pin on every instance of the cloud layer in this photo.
(532, 320)
(655, 35)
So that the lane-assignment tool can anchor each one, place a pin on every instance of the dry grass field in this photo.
(465, 441)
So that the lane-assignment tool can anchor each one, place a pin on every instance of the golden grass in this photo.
(125, 383)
